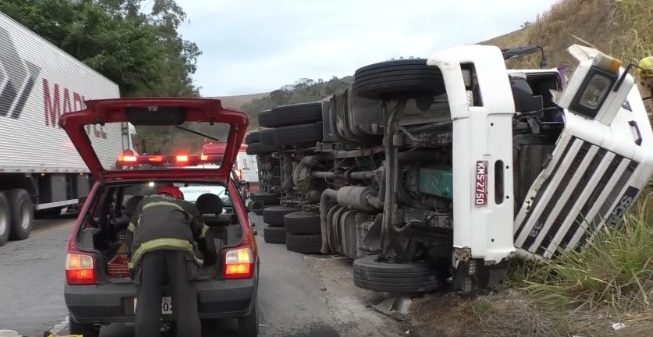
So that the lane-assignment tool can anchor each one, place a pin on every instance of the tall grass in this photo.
(615, 270)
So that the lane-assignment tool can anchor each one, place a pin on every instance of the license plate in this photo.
(166, 305)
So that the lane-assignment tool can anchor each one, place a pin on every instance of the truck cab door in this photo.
(602, 160)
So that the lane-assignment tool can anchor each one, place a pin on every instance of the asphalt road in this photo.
(299, 295)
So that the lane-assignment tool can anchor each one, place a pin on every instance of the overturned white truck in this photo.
(439, 169)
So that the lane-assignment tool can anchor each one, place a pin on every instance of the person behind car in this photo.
(163, 232)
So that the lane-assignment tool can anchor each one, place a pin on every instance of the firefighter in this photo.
(645, 71)
(162, 236)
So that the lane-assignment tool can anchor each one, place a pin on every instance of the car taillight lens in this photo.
(204, 157)
(80, 269)
(238, 263)
(182, 158)
(155, 159)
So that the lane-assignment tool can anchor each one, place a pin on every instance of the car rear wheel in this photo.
(374, 274)
(4, 219)
(86, 330)
(248, 325)
(22, 214)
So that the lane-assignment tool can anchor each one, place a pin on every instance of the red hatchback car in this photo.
(99, 290)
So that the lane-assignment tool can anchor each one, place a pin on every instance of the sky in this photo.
(253, 46)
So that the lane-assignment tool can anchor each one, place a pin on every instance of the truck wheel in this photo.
(274, 234)
(265, 197)
(266, 137)
(295, 114)
(381, 276)
(258, 148)
(4, 219)
(273, 216)
(252, 137)
(303, 134)
(305, 244)
(22, 214)
(302, 222)
(248, 325)
(398, 79)
(86, 330)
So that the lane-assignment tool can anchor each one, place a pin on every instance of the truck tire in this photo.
(265, 197)
(302, 222)
(303, 134)
(295, 114)
(398, 79)
(305, 244)
(5, 224)
(266, 137)
(258, 148)
(375, 275)
(252, 137)
(22, 214)
(86, 330)
(274, 234)
(273, 216)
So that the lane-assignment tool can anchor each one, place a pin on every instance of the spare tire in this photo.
(274, 234)
(304, 134)
(295, 114)
(273, 215)
(398, 79)
(252, 137)
(381, 276)
(305, 244)
(302, 222)
(258, 148)
(265, 197)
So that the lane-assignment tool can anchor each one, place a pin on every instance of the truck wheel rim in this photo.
(25, 219)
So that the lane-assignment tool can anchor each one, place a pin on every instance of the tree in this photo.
(142, 52)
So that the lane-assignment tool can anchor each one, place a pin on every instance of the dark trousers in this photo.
(159, 268)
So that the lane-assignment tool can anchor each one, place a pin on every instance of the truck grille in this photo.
(578, 195)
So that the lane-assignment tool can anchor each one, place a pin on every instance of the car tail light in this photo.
(181, 158)
(238, 263)
(127, 159)
(80, 269)
(204, 157)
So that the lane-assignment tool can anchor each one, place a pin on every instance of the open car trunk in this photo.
(105, 229)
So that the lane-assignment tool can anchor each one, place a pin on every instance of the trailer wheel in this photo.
(258, 148)
(397, 79)
(273, 216)
(4, 219)
(266, 137)
(303, 134)
(265, 197)
(417, 277)
(302, 222)
(274, 234)
(305, 244)
(295, 114)
(252, 137)
(22, 214)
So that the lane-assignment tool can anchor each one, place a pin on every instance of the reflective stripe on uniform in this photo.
(204, 230)
(164, 203)
(131, 227)
(159, 244)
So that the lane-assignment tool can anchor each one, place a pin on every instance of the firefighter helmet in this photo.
(172, 191)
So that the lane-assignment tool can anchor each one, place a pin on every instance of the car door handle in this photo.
(634, 125)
